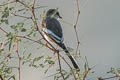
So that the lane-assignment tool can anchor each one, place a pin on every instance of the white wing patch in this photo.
(55, 37)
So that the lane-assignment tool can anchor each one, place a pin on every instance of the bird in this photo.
(52, 31)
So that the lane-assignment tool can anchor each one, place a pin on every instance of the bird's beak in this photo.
(60, 17)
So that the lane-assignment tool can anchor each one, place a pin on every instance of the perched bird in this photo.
(52, 32)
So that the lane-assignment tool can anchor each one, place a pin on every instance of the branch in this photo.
(1, 78)
(109, 77)
(21, 16)
(69, 66)
(3, 30)
(116, 76)
(14, 14)
(23, 4)
(88, 69)
(25, 37)
(78, 14)
(60, 65)
(19, 59)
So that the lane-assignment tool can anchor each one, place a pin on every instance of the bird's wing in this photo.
(53, 28)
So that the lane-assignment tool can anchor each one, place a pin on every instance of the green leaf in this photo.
(4, 21)
(13, 26)
(31, 32)
(1, 22)
(18, 27)
(35, 66)
(37, 59)
(5, 15)
(112, 70)
(6, 12)
(29, 55)
(51, 62)
(100, 78)
(23, 30)
(11, 39)
(46, 71)
(85, 67)
(118, 70)
(41, 65)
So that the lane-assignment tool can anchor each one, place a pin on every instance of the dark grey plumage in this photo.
(53, 25)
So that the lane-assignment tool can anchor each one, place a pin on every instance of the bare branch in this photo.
(1, 78)
(23, 4)
(19, 59)
(21, 16)
(60, 65)
(78, 14)
(3, 30)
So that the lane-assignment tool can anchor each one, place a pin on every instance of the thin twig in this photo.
(19, 59)
(14, 14)
(88, 69)
(1, 78)
(109, 77)
(60, 65)
(75, 26)
(21, 16)
(78, 14)
(3, 30)
(69, 66)
(25, 37)
(116, 76)
(33, 3)
(23, 4)
(8, 3)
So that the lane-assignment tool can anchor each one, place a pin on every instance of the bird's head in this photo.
(53, 13)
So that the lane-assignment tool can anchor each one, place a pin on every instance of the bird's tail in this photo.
(74, 62)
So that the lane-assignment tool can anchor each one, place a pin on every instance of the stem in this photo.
(60, 65)
(1, 78)
(19, 60)
(78, 14)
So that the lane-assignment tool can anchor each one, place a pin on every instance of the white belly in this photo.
(49, 39)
